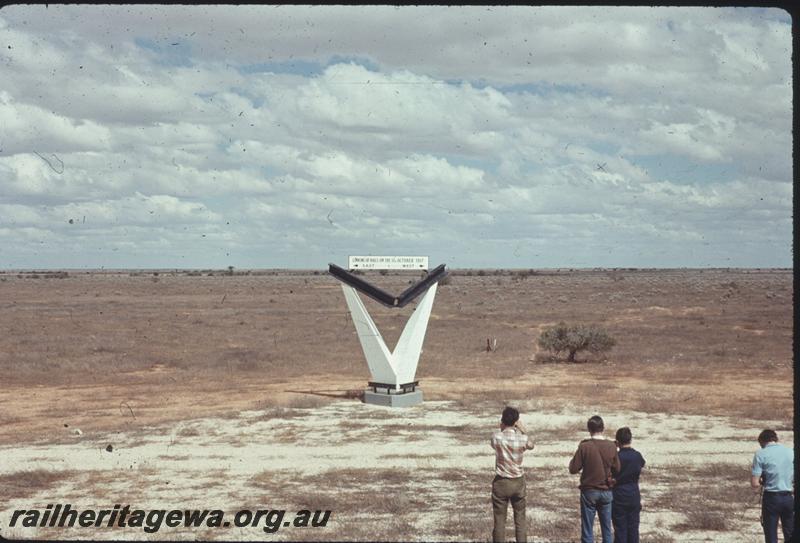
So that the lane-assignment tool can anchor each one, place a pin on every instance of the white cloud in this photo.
(31, 128)
(211, 134)
(399, 109)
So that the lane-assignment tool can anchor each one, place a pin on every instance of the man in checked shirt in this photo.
(509, 442)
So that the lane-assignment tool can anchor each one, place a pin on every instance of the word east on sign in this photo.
(387, 263)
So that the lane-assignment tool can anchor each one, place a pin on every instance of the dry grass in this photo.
(246, 332)
(313, 500)
(394, 501)
(558, 529)
(466, 526)
(308, 401)
(189, 431)
(680, 343)
(353, 476)
(465, 433)
(719, 492)
(703, 520)
(281, 413)
(208, 483)
(350, 493)
(662, 402)
(25, 484)
(176, 457)
(694, 342)
(416, 456)
(387, 528)
(657, 538)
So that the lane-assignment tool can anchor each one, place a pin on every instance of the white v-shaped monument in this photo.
(391, 371)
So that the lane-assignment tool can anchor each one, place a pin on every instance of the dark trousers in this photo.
(625, 517)
(776, 506)
(506, 490)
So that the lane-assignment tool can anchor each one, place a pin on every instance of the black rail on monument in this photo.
(360, 285)
(384, 297)
(435, 275)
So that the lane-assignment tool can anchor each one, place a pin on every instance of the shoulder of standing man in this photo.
(576, 464)
(636, 455)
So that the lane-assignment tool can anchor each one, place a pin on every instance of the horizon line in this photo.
(325, 269)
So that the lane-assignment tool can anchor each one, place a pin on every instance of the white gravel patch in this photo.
(208, 463)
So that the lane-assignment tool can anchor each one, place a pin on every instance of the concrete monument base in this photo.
(393, 400)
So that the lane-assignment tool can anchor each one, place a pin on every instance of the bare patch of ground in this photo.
(423, 472)
(234, 391)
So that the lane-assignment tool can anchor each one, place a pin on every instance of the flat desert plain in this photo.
(232, 391)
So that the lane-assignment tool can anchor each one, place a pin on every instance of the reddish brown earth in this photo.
(128, 351)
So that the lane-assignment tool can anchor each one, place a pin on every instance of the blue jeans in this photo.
(596, 501)
(774, 507)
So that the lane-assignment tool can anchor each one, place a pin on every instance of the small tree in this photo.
(573, 339)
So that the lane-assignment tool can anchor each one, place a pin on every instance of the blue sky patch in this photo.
(681, 169)
(305, 68)
(299, 67)
(169, 52)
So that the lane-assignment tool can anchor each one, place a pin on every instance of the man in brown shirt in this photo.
(595, 459)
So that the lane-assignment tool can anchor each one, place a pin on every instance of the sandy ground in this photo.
(212, 462)
(48, 413)
(235, 392)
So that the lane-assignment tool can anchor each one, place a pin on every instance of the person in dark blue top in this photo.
(627, 502)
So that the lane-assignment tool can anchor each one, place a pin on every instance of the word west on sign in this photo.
(387, 262)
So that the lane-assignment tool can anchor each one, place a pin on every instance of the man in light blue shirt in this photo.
(773, 467)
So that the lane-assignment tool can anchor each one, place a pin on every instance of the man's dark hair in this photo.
(510, 416)
(767, 435)
(624, 435)
(595, 424)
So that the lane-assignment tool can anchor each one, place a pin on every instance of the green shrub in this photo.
(574, 339)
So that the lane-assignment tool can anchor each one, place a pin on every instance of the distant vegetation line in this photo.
(65, 272)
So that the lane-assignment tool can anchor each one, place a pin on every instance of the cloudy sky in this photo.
(293, 136)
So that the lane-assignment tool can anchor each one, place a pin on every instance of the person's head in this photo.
(767, 436)
(595, 425)
(623, 436)
(510, 416)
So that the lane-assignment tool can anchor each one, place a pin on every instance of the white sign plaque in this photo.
(387, 262)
